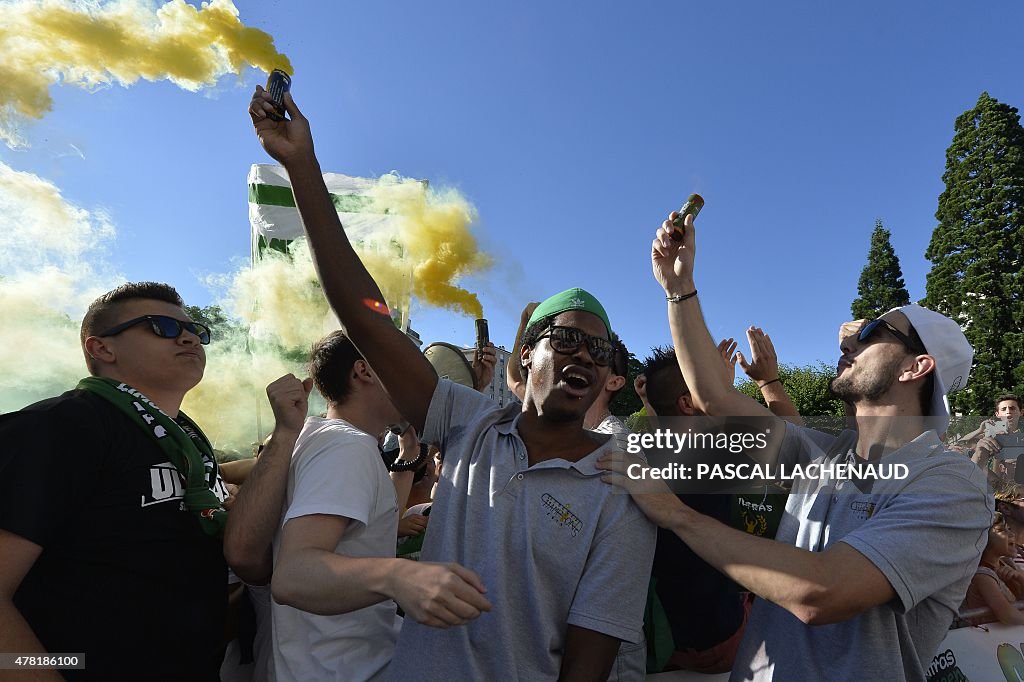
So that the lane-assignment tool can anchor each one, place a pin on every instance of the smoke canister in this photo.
(278, 83)
(482, 336)
(694, 203)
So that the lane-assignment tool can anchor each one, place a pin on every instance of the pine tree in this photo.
(977, 249)
(881, 286)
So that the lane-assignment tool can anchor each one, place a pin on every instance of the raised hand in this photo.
(764, 363)
(483, 366)
(289, 399)
(672, 261)
(727, 347)
(287, 140)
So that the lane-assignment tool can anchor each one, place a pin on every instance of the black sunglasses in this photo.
(869, 329)
(165, 327)
(567, 340)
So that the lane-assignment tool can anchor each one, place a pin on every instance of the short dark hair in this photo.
(102, 313)
(665, 381)
(330, 365)
(1008, 396)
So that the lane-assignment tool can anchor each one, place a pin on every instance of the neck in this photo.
(884, 428)
(990, 559)
(359, 415)
(546, 439)
(597, 413)
(168, 400)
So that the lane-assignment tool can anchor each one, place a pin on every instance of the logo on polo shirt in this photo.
(561, 514)
(863, 510)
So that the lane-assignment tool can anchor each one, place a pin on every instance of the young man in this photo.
(565, 563)
(866, 572)
(110, 505)
(335, 550)
(599, 417)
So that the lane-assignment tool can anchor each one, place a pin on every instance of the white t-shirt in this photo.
(337, 470)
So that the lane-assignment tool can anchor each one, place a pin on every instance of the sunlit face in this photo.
(1010, 411)
(143, 359)
(867, 369)
(563, 386)
(1001, 539)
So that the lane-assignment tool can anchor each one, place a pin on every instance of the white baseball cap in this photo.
(945, 341)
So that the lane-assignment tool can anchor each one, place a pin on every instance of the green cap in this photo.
(571, 299)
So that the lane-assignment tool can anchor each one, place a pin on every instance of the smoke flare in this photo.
(45, 42)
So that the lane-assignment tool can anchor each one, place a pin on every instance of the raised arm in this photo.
(763, 370)
(699, 358)
(254, 517)
(350, 290)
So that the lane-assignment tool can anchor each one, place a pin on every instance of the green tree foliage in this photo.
(881, 286)
(808, 388)
(977, 248)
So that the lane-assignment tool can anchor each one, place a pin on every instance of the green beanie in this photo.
(571, 299)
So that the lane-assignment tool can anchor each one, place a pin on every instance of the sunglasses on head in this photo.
(567, 340)
(869, 329)
(165, 327)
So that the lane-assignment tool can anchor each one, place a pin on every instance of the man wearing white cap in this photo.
(866, 572)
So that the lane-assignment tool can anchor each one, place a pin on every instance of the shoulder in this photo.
(73, 412)
(320, 435)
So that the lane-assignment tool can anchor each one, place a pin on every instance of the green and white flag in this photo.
(275, 222)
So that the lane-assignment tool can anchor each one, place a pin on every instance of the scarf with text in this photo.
(181, 440)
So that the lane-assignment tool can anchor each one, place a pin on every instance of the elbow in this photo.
(283, 589)
(820, 605)
(251, 566)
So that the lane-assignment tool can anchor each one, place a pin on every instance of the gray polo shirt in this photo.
(924, 533)
(553, 544)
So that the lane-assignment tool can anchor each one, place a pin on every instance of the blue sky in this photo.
(574, 128)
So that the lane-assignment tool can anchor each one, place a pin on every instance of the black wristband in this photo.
(410, 465)
(761, 386)
(683, 297)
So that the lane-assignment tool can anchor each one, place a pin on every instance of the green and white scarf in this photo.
(181, 440)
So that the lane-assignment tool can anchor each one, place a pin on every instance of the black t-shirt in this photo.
(126, 575)
(703, 606)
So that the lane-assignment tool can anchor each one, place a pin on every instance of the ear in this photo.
(526, 355)
(918, 369)
(614, 383)
(685, 405)
(361, 371)
(99, 350)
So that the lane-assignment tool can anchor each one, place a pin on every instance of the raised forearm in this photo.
(780, 403)
(697, 354)
(256, 514)
(357, 300)
(322, 582)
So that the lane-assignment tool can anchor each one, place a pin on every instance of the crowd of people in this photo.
(419, 531)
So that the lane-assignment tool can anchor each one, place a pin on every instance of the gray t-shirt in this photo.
(553, 544)
(924, 533)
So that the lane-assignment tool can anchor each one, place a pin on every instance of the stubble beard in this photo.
(867, 386)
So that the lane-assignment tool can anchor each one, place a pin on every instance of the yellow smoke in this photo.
(88, 45)
(437, 246)
(51, 267)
